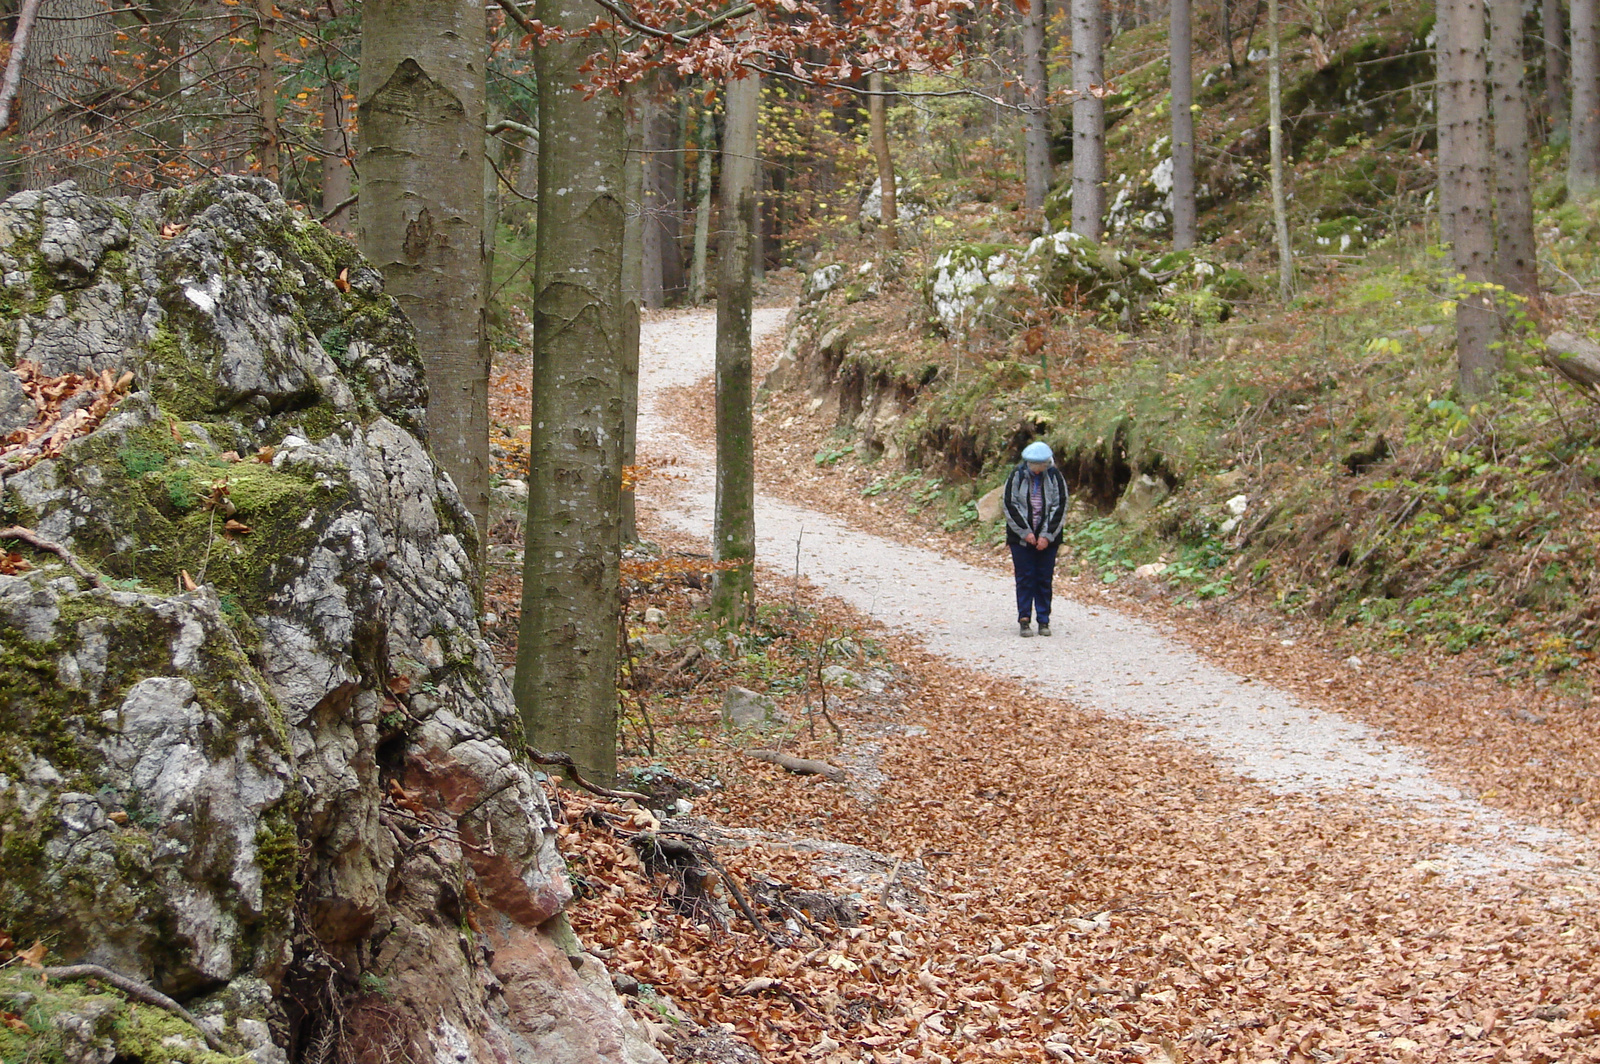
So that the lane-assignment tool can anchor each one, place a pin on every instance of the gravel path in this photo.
(1098, 658)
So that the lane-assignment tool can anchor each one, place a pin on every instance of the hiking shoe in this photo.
(1027, 633)
(1044, 629)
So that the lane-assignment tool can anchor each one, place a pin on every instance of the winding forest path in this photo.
(1199, 865)
(1098, 657)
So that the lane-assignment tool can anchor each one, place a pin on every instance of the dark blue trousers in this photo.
(1035, 571)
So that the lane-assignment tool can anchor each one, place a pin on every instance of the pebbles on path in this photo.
(1098, 658)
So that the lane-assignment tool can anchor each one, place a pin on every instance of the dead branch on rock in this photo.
(565, 761)
(801, 766)
(136, 990)
(34, 540)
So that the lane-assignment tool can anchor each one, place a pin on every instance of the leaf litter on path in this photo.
(1091, 890)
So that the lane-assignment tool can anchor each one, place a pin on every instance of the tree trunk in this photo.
(734, 528)
(663, 259)
(336, 173)
(1583, 159)
(567, 641)
(421, 218)
(268, 144)
(1280, 206)
(878, 136)
(1466, 187)
(1516, 256)
(64, 73)
(632, 300)
(1088, 121)
(702, 213)
(1554, 26)
(1183, 206)
(19, 51)
(1036, 106)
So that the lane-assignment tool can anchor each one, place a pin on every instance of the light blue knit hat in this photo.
(1037, 451)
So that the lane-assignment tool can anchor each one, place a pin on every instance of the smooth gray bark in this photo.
(336, 154)
(734, 524)
(421, 160)
(1280, 203)
(704, 146)
(1183, 206)
(632, 301)
(1583, 158)
(567, 640)
(1466, 188)
(878, 137)
(1036, 107)
(1088, 120)
(1516, 255)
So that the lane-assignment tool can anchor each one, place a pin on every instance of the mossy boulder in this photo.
(271, 631)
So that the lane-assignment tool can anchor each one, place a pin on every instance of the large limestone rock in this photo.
(260, 757)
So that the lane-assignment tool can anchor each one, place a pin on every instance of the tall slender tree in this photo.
(663, 258)
(705, 143)
(1583, 156)
(632, 300)
(269, 142)
(421, 221)
(1516, 256)
(1183, 205)
(1088, 120)
(1280, 203)
(1466, 186)
(1553, 27)
(1036, 106)
(567, 639)
(734, 525)
(878, 136)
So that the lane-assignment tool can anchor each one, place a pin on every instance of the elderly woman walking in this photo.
(1036, 506)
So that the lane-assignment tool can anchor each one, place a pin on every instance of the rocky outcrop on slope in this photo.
(254, 751)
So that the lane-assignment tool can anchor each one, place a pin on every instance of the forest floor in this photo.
(1159, 835)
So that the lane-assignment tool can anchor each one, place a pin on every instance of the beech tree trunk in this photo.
(1280, 204)
(1466, 188)
(336, 154)
(734, 525)
(878, 136)
(1183, 206)
(421, 220)
(1088, 121)
(1036, 105)
(567, 640)
(64, 73)
(1583, 158)
(1516, 256)
(632, 300)
(1553, 23)
(704, 147)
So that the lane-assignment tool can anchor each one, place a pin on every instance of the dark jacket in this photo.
(1019, 514)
